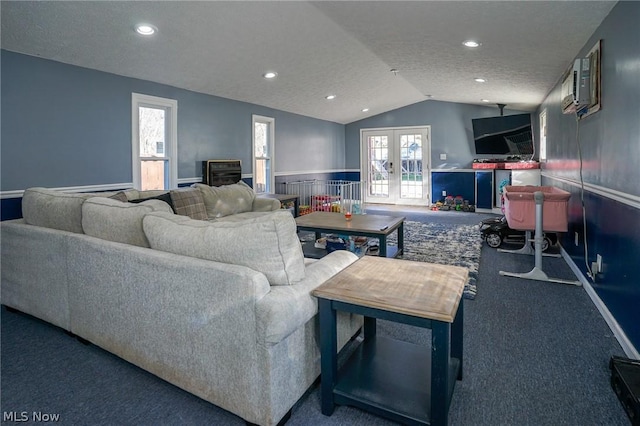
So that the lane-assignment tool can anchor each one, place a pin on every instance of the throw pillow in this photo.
(114, 220)
(268, 243)
(189, 202)
(166, 197)
(226, 200)
(120, 196)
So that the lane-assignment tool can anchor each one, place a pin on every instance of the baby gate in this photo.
(326, 195)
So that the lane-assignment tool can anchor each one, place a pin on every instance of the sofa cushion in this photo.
(165, 197)
(134, 194)
(189, 202)
(227, 199)
(114, 220)
(264, 204)
(53, 209)
(239, 217)
(267, 243)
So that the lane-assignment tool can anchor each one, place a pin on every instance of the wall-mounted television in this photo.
(503, 135)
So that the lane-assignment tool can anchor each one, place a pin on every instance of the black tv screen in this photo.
(504, 135)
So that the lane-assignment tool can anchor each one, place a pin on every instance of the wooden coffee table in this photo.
(366, 225)
(405, 382)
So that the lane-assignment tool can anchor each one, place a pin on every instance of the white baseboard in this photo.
(619, 334)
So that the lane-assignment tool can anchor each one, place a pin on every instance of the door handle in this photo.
(390, 168)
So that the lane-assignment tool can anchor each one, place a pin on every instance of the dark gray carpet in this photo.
(536, 353)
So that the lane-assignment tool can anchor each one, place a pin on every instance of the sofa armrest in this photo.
(265, 204)
(34, 270)
(189, 321)
(286, 308)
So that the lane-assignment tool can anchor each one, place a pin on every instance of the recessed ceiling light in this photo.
(485, 100)
(479, 80)
(471, 43)
(330, 97)
(146, 29)
(365, 109)
(270, 75)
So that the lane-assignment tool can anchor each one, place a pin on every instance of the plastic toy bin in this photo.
(520, 208)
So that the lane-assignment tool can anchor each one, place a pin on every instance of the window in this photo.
(543, 136)
(154, 142)
(263, 141)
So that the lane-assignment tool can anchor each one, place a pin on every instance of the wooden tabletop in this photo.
(370, 223)
(420, 289)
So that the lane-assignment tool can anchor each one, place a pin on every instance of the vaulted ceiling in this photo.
(345, 48)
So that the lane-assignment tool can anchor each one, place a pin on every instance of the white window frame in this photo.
(271, 148)
(542, 155)
(171, 146)
(392, 133)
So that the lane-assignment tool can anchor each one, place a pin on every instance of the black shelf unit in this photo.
(221, 172)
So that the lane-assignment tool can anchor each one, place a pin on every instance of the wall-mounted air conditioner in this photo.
(576, 92)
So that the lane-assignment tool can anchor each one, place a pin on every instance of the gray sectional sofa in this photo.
(219, 306)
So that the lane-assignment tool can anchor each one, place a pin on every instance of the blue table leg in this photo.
(383, 246)
(401, 238)
(328, 355)
(440, 350)
(369, 327)
(456, 336)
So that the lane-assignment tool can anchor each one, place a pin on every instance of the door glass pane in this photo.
(411, 159)
(378, 147)
(152, 132)
(154, 174)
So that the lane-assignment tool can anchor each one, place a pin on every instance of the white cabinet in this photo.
(525, 177)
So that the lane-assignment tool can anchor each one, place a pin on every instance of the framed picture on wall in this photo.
(595, 83)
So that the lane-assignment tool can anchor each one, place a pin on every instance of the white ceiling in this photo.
(346, 48)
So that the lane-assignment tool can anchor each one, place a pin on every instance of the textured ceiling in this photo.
(346, 48)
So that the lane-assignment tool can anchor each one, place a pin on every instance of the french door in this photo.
(396, 165)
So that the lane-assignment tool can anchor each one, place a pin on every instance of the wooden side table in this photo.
(402, 381)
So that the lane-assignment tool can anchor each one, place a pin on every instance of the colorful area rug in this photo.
(457, 245)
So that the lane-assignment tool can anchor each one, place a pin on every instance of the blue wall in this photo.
(65, 126)
(451, 134)
(451, 131)
(609, 143)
